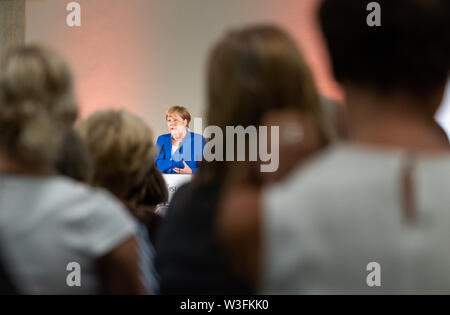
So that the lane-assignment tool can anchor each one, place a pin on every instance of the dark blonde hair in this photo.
(122, 149)
(121, 146)
(182, 111)
(251, 72)
(37, 104)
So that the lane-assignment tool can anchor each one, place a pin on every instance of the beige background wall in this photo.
(146, 55)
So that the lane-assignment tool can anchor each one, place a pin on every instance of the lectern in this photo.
(173, 182)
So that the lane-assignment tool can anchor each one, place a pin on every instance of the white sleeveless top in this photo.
(327, 222)
(47, 223)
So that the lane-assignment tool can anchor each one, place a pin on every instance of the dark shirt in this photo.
(189, 257)
(6, 286)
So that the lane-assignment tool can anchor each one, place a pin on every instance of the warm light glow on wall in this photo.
(146, 55)
(300, 18)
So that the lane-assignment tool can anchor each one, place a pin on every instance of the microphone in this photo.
(160, 151)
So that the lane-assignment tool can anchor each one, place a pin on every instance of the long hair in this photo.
(251, 72)
(37, 104)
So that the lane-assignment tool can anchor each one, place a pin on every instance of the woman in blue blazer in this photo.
(180, 151)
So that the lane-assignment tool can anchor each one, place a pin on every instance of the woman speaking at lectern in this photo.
(180, 151)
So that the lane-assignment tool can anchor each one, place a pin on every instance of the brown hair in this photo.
(251, 72)
(36, 104)
(74, 159)
(182, 111)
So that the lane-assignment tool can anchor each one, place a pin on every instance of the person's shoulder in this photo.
(62, 199)
(164, 138)
(333, 181)
(327, 171)
(96, 212)
(433, 171)
(86, 200)
(65, 188)
(322, 167)
(70, 187)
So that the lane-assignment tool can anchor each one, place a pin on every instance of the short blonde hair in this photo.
(37, 104)
(182, 111)
(122, 148)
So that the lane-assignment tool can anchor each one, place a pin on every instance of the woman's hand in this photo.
(185, 170)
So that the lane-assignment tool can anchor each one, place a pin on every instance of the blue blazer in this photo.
(190, 151)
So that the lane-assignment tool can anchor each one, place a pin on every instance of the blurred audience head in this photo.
(409, 52)
(122, 149)
(256, 74)
(37, 105)
(334, 116)
(74, 159)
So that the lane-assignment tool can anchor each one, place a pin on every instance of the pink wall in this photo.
(145, 55)
(299, 17)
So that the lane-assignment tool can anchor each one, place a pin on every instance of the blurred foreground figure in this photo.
(257, 77)
(123, 152)
(57, 235)
(6, 284)
(370, 215)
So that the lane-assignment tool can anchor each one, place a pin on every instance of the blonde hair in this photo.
(36, 104)
(182, 111)
(121, 146)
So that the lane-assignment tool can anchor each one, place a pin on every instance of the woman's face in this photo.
(176, 124)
